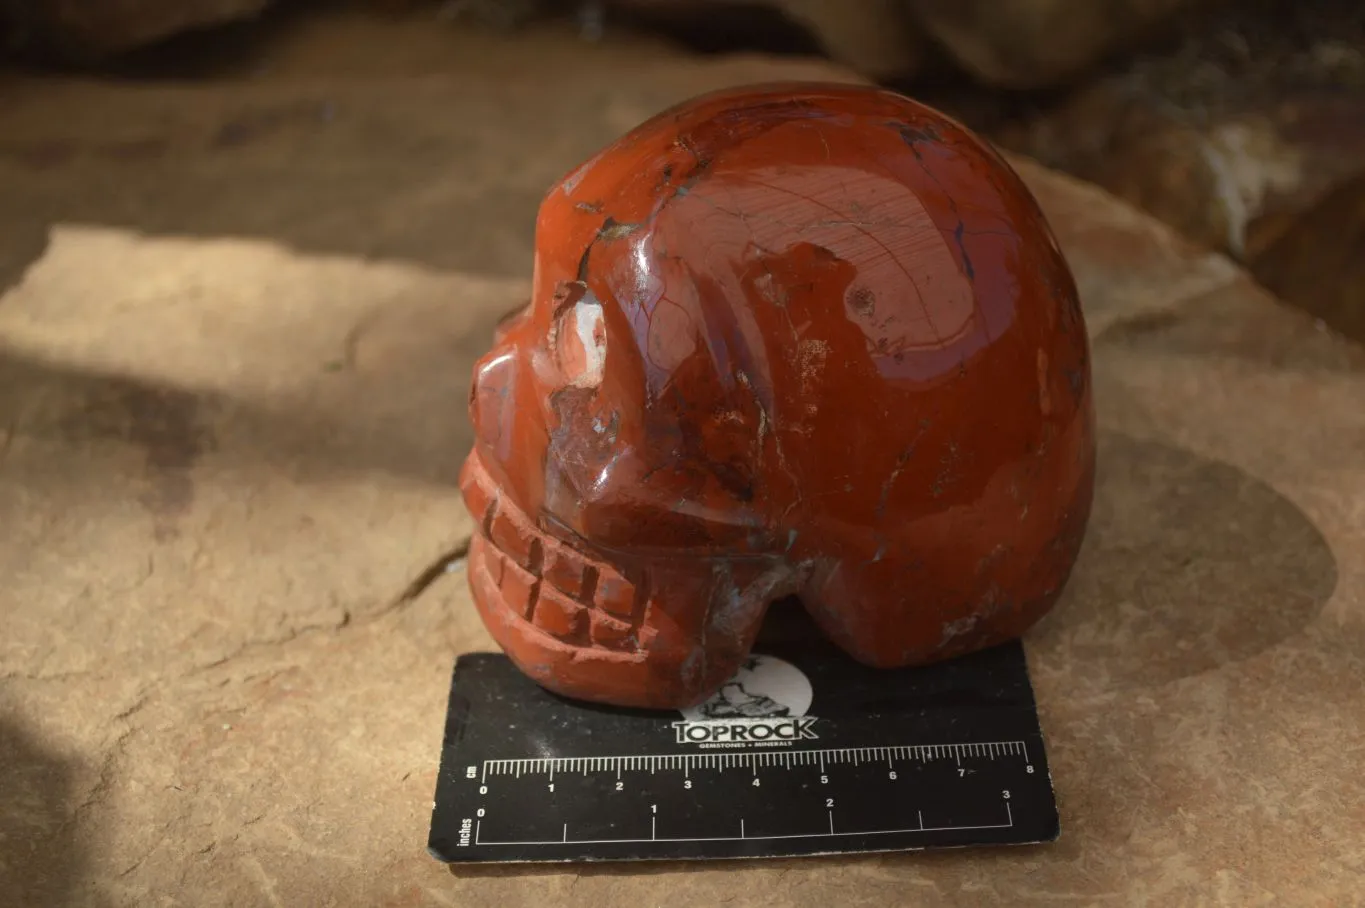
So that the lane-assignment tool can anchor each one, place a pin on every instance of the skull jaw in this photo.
(646, 680)
(662, 634)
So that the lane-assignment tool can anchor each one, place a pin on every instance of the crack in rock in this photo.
(105, 781)
(410, 593)
(427, 576)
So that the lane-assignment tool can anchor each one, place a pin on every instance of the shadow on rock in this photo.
(1189, 564)
(42, 858)
(403, 421)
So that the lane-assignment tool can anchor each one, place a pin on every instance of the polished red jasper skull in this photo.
(803, 339)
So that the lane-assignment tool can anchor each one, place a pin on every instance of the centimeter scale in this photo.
(803, 752)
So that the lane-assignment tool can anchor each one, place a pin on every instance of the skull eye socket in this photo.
(579, 341)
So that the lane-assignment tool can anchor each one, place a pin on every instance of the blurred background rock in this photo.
(1240, 124)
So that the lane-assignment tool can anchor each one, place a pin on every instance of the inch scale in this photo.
(804, 752)
(752, 803)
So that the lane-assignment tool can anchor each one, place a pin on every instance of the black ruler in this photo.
(805, 752)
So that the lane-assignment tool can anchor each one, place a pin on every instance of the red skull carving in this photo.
(794, 339)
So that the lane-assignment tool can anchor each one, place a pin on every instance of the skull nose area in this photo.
(492, 396)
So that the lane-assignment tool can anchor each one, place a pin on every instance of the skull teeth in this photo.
(608, 631)
(545, 582)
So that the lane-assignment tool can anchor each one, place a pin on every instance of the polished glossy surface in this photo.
(796, 339)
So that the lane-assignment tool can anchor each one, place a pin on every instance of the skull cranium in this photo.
(807, 340)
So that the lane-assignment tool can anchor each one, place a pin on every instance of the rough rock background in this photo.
(881, 39)
(1038, 43)
(91, 29)
(237, 315)
(1248, 136)
(1002, 43)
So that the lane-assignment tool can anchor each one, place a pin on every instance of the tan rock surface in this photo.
(235, 327)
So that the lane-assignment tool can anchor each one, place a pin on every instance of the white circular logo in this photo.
(765, 687)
